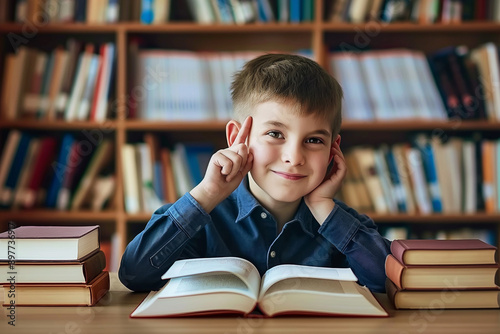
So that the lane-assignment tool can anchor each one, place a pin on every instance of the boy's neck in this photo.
(282, 212)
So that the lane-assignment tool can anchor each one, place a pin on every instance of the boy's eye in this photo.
(314, 141)
(275, 134)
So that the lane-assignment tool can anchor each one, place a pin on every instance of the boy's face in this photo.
(291, 153)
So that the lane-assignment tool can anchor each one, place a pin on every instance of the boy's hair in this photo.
(287, 78)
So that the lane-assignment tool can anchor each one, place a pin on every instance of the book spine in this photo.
(394, 270)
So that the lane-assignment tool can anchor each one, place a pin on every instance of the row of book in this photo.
(158, 11)
(71, 82)
(75, 83)
(58, 265)
(63, 173)
(421, 11)
(154, 175)
(442, 274)
(188, 85)
(428, 175)
(451, 83)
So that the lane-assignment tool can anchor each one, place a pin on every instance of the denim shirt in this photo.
(240, 226)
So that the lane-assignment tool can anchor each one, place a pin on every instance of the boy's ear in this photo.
(232, 129)
(336, 141)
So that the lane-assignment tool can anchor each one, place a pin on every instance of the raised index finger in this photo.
(244, 131)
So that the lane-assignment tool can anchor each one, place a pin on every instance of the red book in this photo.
(51, 243)
(443, 252)
(42, 164)
(36, 294)
(435, 277)
(441, 299)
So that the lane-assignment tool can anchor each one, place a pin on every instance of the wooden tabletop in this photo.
(111, 315)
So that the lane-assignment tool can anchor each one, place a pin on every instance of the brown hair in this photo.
(287, 78)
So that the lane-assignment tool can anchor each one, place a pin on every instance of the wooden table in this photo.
(111, 315)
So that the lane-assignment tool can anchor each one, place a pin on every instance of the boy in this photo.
(268, 197)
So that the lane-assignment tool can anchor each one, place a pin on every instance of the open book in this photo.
(233, 285)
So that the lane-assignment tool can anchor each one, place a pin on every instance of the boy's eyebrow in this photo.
(278, 124)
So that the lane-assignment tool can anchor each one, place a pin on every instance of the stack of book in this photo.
(442, 274)
(52, 265)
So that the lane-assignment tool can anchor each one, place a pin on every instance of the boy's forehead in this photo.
(287, 115)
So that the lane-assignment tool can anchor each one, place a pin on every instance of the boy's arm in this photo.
(175, 231)
(357, 237)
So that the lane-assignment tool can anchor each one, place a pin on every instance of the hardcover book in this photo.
(233, 285)
(61, 294)
(442, 299)
(52, 243)
(82, 271)
(443, 252)
(441, 277)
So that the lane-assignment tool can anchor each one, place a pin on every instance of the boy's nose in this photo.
(293, 155)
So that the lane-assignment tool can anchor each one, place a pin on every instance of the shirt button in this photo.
(263, 215)
(273, 254)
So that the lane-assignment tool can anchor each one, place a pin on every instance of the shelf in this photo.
(53, 216)
(400, 27)
(396, 125)
(175, 125)
(174, 27)
(187, 27)
(460, 218)
(61, 28)
(56, 125)
(406, 27)
(405, 125)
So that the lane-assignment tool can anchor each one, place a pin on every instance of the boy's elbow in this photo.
(138, 275)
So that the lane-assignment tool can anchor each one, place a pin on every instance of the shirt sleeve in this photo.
(175, 231)
(356, 236)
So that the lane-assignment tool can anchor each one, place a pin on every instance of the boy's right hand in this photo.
(225, 171)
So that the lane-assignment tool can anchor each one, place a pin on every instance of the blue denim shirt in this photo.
(240, 226)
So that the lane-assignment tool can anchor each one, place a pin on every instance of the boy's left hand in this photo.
(320, 200)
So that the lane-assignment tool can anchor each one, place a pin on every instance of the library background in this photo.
(111, 108)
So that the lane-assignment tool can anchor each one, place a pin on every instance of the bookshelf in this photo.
(319, 36)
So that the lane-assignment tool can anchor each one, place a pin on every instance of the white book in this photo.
(399, 93)
(377, 89)
(347, 70)
(78, 87)
(130, 175)
(83, 108)
(417, 175)
(470, 176)
(383, 173)
(233, 285)
(150, 201)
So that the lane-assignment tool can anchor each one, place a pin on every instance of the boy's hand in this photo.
(320, 200)
(225, 171)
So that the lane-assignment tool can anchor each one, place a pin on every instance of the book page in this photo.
(290, 271)
(241, 268)
(204, 284)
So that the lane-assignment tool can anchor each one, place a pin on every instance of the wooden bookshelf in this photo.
(319, 36)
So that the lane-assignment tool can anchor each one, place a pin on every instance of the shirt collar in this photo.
(248, 203)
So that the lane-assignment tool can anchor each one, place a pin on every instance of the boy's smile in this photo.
(291, 153)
